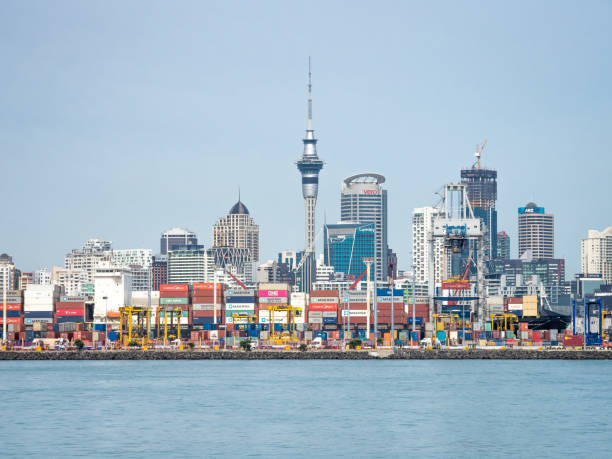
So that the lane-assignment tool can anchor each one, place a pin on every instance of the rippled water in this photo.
(305, 408)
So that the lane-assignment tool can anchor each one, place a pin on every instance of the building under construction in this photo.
(482, 193)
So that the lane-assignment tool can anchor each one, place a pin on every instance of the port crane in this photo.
(456, 226)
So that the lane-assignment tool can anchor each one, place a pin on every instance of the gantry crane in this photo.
(134, 324)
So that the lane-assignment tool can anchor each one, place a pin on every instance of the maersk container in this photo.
(330, 320)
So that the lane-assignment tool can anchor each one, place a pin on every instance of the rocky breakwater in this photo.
(428, 354)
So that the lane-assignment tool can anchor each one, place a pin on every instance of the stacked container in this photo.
(14, 311)
(515, 306)
(70, 309)
(174, 296)
(386, 297)
(323, 307)
(356, 307)
(270, 295)
(39, 303)
(298, 300)
(240, 302)
(205, 311)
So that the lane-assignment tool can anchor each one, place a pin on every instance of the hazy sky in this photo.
(119, 120)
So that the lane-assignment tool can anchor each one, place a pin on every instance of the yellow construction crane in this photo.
(134, 324)
(478, 154)
(440, 321)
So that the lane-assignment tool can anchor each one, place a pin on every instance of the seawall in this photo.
(477, 354)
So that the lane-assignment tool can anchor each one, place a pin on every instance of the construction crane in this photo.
(238, 281)
(478, 153)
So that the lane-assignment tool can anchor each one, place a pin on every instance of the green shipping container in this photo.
(487, 326)
(174, 301)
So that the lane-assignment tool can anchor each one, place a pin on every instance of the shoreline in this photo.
(421, 354)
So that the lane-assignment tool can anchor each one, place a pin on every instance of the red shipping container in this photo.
(173, 288)
(69, 304)
(11, 320)
(322, 306)
(173, 294)
(10, 307)
(70, 312)
(199, 286)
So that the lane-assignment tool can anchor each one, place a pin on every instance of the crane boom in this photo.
(237, 280)
(357, 280)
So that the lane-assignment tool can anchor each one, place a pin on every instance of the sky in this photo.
(119, 120)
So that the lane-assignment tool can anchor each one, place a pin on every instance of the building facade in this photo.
(596, 254)
(70, 280)
(87, 258)
(536, 232)
(187, 264)
(159, 271)
(363, 200)
(503, 246)
(346, 245)
(482, 193)
(140, 262)
(42, 276)
(422, 240)
(176, 237)
(238, 230)
(7, 273)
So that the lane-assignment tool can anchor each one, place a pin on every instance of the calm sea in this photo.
(305, 408)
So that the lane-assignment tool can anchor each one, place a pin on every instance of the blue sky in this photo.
(119, 120)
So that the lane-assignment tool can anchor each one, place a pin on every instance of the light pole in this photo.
(5, 271)
(368, 261)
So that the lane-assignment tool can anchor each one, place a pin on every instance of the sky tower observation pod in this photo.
(367, 177)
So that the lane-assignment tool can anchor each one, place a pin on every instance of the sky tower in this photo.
(309, 166)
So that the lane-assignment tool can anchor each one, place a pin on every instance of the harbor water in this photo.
(305, 408)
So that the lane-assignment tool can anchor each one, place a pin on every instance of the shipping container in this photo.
(174, 301)
(173, 288)
(273, 294)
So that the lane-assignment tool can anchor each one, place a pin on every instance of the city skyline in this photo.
(82, 130)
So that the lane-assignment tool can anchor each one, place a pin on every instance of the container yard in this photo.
(271, 316)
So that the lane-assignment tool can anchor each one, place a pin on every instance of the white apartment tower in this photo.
(422, 229)
(87, 258)
(596, 254)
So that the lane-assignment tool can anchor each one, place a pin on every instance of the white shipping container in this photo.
(330, 314)
(39, 307)
(496, 308)
(315, 320)
(280, 317)
(239, 306)
(324, 299)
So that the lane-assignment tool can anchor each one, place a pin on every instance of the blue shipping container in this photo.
(441, 336)
(99, 327)
(10, 313)
(418, 320)
(38, 315)
(113, 336)
(240, 299)
(330, 320)
(414, 335)
(387, 292)
(203, 320)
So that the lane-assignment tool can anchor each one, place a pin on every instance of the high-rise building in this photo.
(176, 236)
(422, 239)
(290, 257)
(25, 279)
(42, 277)
(482, 193)
(230, 259)
(238, 230)
(87, 258)
(536, 232)
(7, 272)
(309, 166)
(140, 262)
(503, 246)
(346, 245)
(325, 273)
(596, 254)
(272, 271)
(70, 280)
(363, 200)
(160, 271)
(187, 264)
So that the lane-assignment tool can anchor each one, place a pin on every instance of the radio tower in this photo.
(309, 166)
